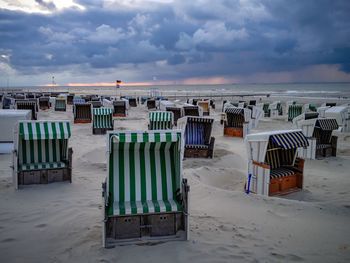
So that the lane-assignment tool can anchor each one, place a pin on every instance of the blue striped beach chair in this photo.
(326, 143)
(41, 152)
(273, 165)
(102, 120)
(238, 122)
(145, 197)
(160, 120)
(197, 133)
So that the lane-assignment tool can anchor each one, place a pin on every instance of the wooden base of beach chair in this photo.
(284, 185)
(99, 131)
(119, 115)
(207, 152)
(233, 132)
(47, 176)
(329, 151)
(82, 121)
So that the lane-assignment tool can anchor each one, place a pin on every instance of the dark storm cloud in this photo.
(196, 39)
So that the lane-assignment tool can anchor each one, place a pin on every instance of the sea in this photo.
(339, 91)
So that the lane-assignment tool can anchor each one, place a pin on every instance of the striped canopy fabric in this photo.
(198, 131)
(102, 118)
(290, 140)
(78, 100)
(234, 110)
(327, 124)
(294, 111)
(161, 120)
(144, 172)
(44, 130)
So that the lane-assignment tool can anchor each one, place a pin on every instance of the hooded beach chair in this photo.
(275, 109)
(132, 101)
(341, 114)
(326, 144)
(273, 165)
(82, 112)
(306, 122)
(256, 115)
(294, 110)
(70, 98)
(197, 135)
(151, 104)
(60, 104)
(192, 110)
(205, 105)
(102, 120)
(41, 152)
(8, 102)
(119, 108)
(238, 122)
(44, 103)
(266, 109)
(160, 120)
(145, 197)
(96, 103)
(177, 113)
(28, 105)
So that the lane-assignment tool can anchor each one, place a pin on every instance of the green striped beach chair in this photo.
(161, 120)
(41, 152)
(102, 120)
(60, 104)
(145, 196)
(294, 110)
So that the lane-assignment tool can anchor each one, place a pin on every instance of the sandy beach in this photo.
(62, 222)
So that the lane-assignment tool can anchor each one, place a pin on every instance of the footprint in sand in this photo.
(41, 225)
(7, 240)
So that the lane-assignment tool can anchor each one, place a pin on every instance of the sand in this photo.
(61, 222)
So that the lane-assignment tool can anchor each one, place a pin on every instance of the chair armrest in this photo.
(299, 164)
(263, 165)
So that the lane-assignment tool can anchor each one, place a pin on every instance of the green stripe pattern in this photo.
(294, 111)
(40, 130)
(161, 120)
(144, 173)
(102, 118)
(42, 144)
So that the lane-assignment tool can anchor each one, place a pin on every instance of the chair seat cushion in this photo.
(323, 146)
(196, 146)
(146, 207)
(40, 166)
(280, 172)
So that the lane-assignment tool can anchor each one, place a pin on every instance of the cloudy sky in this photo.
(174, 41)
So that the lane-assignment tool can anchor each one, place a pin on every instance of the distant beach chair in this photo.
(160, 120)
(205, 105)
(60, 104)
(70, 98)
(197, 133)
(82, 112)
(238, 122)
(120, 108)
(326, 144)
(41, 152)
(177, 113)
(78, 100)
(8, 121)
(256, 115)
(8, 102)
(28, 105)
(163, 104)
(342, 116)
(96, 103)
(306, 122)
(132, 101)
(191, 110)
(145, 197)
(294, 110)
(275, 109)
(151, 104)
(273, 165)
(266, 109)
(102, 120)
(44, 103)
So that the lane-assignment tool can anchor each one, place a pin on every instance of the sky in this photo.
(92, 42)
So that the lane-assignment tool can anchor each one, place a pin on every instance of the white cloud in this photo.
(108, 35)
